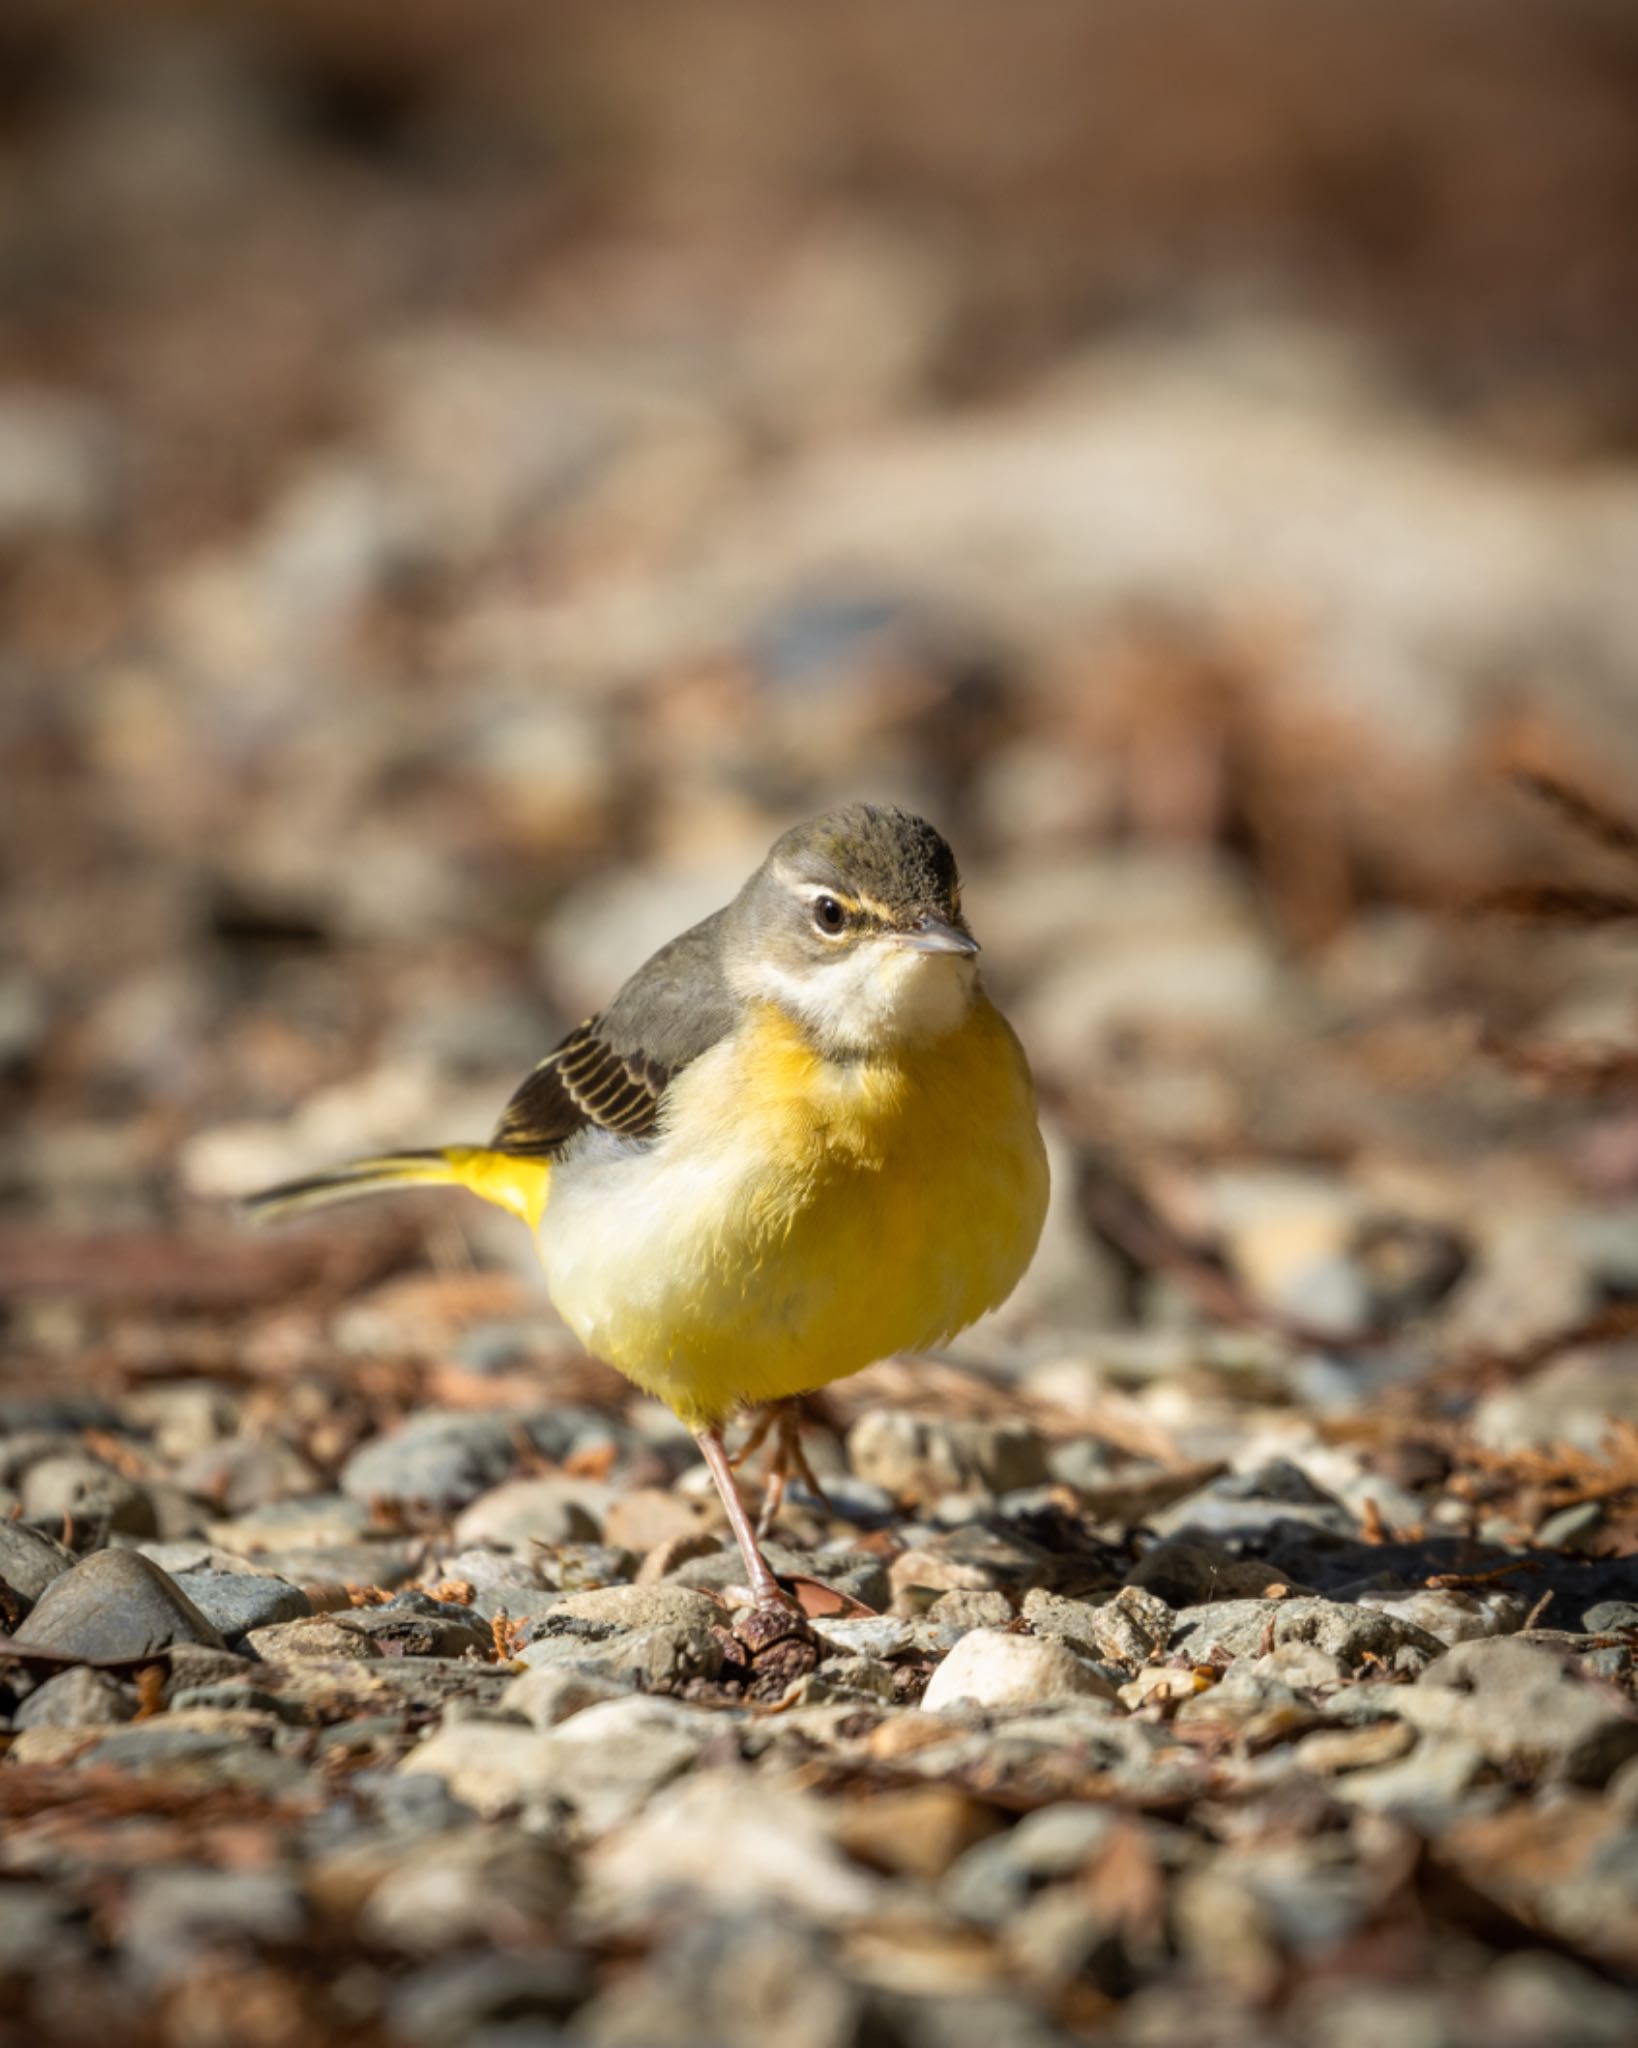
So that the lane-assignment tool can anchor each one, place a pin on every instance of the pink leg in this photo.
(764, 1586)
(789, 1457)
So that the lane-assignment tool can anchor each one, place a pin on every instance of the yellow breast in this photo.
(800, 1217)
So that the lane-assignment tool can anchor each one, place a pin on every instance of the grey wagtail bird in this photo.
(800, 1137)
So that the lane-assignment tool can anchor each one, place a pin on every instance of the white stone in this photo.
(993, 1668)
(733, 1839)
(604, 1763)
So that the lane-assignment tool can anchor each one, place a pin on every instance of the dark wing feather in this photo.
(612, 1071)
(585, 1081)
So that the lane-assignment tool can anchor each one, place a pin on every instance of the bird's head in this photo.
(853, 926)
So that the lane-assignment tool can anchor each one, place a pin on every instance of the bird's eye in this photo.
(828, 914)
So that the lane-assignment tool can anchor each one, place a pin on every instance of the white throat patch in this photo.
(877, 994)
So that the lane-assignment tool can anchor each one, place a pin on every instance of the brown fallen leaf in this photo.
(821, 1602)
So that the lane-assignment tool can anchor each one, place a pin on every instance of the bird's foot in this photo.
(774, 1646)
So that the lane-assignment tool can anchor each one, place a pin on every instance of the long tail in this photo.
(518, 1185)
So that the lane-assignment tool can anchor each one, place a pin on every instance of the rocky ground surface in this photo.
(434, 561)
(1191, 1705)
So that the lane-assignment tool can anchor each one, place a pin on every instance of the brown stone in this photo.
(650, 1516)
(666, 1557)
(917, 1831)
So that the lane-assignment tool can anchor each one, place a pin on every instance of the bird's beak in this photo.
(934, 935)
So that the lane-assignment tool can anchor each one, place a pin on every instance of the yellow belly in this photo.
(799, 1218)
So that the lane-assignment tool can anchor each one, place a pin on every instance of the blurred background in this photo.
(469, 475)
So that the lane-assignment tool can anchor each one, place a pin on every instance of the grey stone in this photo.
(458, 2001)
(865, 1635)
(317, 1635)
(603, 1763)
(1622, 1790)
(488, 1570)
(962, 1609)
(1452, 1616)
(517, 1603)
(1245, 1696)
(467, 1886)
(399, 1632)
(918, 1458)
(1132, 1629)
(850, 1499)
(406, 1807)
(1428, 1788)
(174, 1915)
(1190, 1571)
(1573, 1401)
(198, 1664)
(1572, 1528)
(1304, 1667)
(79, 1489)
(236, 1602)
(177, 1515)
(215, 1755)
(1521, 1706)
(439, 1461)
(183, 1419)
(447, 1459)
(992, 1880)
(575, 1645)
(1248, 1503)
(526, 1515)
(239, 1474)
(30, 1560)
(26, 1446)
(728, 1837)
(1247, 1628)
(115, 1605)
(550, 1693)
(736, 1980)
(383, 1563)
(37, 1931)
(61, 1411)
(235, 1696)
(665, 1656)
(78, 1698)
(977, 1555)
(583, 1567)
(1609, 1616)
(310, 1523)
(847, 1678)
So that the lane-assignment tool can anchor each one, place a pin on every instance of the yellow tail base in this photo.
(516, 1185)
